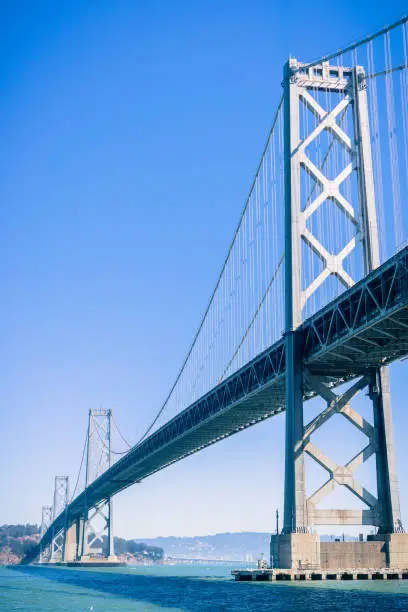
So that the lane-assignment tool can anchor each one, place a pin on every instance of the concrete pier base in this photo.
(71, 543)
(343, 555)
(72, 549)
(304, 551)
(394, 548)
(295, 550)
(265, 575)
(397, 545)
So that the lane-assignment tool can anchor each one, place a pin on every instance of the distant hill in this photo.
(16, 541)
(234, 546)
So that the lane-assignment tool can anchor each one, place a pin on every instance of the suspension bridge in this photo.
(311, 301)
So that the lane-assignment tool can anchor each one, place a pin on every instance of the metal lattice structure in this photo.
(301, 84)
(46, 522)
(98, 516)
(60, 505)
(301, 512)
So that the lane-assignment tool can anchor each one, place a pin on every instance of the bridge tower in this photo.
(297, 545)
(46, 520)
(60, 504)
(97, 523)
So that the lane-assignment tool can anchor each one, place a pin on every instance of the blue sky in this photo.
(130, 132)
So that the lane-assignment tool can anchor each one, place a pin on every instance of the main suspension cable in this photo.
(120, 433)
(80, 467)
(251, 323)
(354, 45)
(102, 441)
(163, 406)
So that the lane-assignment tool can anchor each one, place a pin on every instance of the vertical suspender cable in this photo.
(376, 149)
(392, 143)
(404, 99)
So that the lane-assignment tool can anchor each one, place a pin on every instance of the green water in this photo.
(187, 588)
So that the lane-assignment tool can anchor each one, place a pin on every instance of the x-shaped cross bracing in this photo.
(99, 455)
(333, 263)
(98, 510)
(339, 475)
(57, 545)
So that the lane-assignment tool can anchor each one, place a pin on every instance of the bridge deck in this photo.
(365, 327)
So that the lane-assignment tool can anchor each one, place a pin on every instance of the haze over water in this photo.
(183, 588)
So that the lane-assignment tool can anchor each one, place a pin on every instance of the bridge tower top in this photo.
(99, 453)
(61, 493)
(329, 183)
(46, 519)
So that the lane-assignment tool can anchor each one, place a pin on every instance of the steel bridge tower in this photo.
(46, 521)
(297, 545)
(97, 524)
(60, 504)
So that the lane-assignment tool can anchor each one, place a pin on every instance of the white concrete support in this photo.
(71, 543)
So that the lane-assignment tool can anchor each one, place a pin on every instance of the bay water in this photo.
(184, 588)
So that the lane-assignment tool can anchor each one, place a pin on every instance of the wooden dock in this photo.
(271, 575)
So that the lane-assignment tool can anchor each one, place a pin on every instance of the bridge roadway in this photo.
(365, 327)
